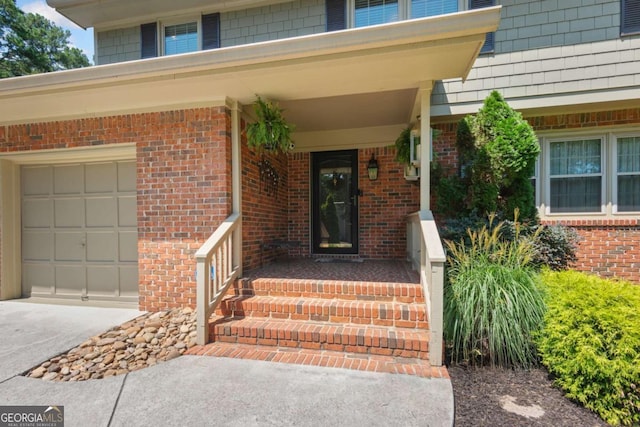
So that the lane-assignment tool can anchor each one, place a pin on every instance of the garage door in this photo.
(79, 231)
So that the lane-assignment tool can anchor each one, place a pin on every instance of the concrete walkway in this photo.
(201, 390)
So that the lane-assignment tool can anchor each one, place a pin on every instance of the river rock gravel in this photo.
(144, 341)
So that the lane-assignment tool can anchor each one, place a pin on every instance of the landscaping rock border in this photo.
(144, 341)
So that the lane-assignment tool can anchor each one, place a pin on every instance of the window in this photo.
(597, 174)
(422, 8)
(628, 174)
(575, 176)
(180, 38)
(630, 17)
(200, 33)
(373, 12)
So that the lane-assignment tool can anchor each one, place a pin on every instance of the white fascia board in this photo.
(396, 35)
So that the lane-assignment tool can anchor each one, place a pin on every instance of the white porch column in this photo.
(236, 180)
(425, 144)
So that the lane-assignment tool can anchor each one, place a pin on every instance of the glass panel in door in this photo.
(335, 208)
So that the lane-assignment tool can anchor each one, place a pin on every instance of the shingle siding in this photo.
(272, 22)
(586, 53)
(118, 45)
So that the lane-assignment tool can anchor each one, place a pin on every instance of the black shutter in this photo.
(336, 15)
(149, 40)
(489, 42)
(630, 17)
(211, 31)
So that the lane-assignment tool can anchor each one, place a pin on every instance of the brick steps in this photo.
(365, 339)
(331, 359)
(327, 310)
(363, 325)
(368, 291)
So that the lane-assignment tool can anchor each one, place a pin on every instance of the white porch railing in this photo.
(218, 265)
(426, 254)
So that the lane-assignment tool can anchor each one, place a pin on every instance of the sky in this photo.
(80, 38)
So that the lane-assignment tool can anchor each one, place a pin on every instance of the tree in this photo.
(31, 44)
(497, 150)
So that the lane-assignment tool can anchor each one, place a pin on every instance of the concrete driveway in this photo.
(201, 390)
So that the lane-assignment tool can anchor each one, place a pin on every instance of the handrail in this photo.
(425, 250)
(218, 264)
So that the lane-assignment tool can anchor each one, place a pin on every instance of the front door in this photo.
(335, 202)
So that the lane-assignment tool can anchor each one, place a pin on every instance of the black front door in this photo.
(335, 202)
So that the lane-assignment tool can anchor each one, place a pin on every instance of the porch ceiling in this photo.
(351, 79)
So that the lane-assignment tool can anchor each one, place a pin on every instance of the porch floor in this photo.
(386, 271)
(396, 352)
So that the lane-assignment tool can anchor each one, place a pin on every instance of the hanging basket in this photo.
(270, 132)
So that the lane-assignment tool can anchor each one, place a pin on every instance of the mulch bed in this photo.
(503, 397)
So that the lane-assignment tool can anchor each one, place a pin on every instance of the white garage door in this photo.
(79, 231)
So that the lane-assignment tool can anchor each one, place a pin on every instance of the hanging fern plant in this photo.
(403, 146)
(270, 131)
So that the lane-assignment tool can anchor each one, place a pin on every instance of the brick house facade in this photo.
(344, 90)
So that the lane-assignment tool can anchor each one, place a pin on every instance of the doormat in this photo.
(340, 260)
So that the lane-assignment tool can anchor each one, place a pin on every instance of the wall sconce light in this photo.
(372, 168)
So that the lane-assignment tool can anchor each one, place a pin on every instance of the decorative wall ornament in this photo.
(269, 178)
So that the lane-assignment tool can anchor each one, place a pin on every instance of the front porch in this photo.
(358, 314)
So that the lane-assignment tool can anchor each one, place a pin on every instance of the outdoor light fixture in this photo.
(372, 168)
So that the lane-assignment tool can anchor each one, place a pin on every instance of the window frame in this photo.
(616, 174)
(603, 173)
(404, 11)
(186, 19)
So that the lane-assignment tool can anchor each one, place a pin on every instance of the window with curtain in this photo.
(373, 12)
(628, 174)
(180, 38)
(422, 8)
(575, 176)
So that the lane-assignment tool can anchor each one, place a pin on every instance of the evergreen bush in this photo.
(591, 343)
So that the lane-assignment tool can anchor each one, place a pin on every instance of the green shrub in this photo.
(555, 246)
(493, 302)
(591, 343)
(497, 149)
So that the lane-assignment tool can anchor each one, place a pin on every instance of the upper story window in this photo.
(422, 8)
(374, 12)
(630, 17)
(171, 38)
(181, 38)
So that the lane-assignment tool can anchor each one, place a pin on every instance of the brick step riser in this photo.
(398, 292)
(390, 315)
(352, 339)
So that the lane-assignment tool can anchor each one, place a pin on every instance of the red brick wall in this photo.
(264, 208)
(184, 188)
(299, 193)
(608, 247)
(383, 205)
(184, 193)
